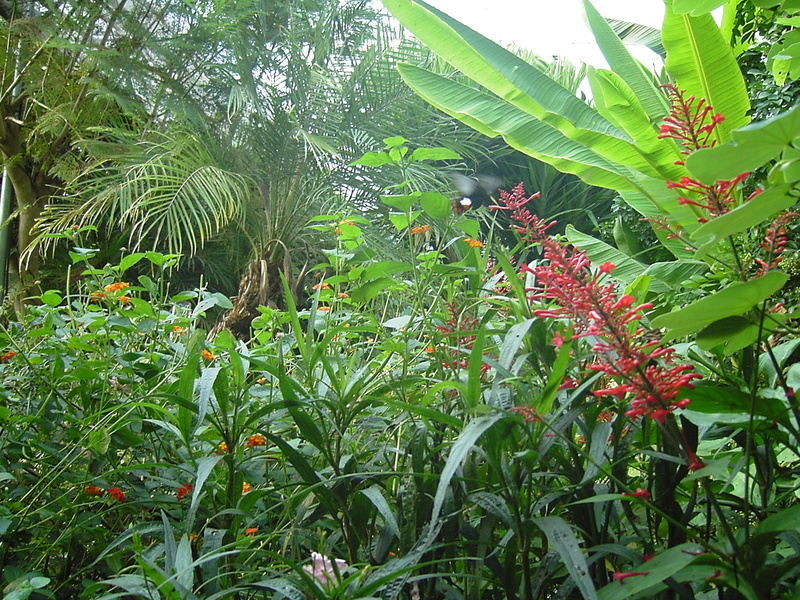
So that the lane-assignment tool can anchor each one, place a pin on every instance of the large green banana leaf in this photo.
(701, 62)
(631, 70)
(487, 113)
(618, 103)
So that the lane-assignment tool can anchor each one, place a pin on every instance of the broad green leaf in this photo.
(667, 563)
(51, 298)
(676, 272)
(395, 141)
(735, 333)
(617, 102)
(469, 226)
(640, 81)
(384, 268)
(752, 146)
(626, 268)
(369, 290)
(734, 300)
(126, 262)
(493, 116)
(434, 154)
(403, 220)
(697, 7)
(563, 541)
(743, 217)
(702, 63)
(497, 69)
(787, 519)
(401, 202)
(435, 205)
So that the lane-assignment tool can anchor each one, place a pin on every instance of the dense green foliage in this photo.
(449, 404)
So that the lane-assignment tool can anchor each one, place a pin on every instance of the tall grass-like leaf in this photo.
(458, 452)
(702, 62)
(561, 537)
(375, 496)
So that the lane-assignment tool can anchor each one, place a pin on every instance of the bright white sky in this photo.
(552, 27)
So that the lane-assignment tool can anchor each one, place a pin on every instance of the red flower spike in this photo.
(184, 490)
(639, 493)
(691, 123)
(625, 352)
(622, 576)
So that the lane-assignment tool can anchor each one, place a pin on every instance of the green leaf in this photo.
(375, 495)
(667, 563)
(626, 268)
(752, 146)
(499, 70)
(384, 268)
(51, 298)
(401, 202)
(494, 116)
(372, 159)
(458, 452)
(469, 226)
(403, 220)
(725, 400)
(640, 81)
(128, 261)
(563, 541)
(435, 205)
(697, 7)
(735, 299)
(395, 141)
(703, 64)
(434, 154)
(368, 291)
(743, 217)
(618, 103)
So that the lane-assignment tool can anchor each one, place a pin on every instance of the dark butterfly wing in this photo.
(466, 186)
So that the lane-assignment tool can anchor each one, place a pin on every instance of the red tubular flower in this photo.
(691, 124)
(458, 329)
(622, 576)
(639, 493)
(626, 352)
(184, 490)
(93, 490)
(774, 243)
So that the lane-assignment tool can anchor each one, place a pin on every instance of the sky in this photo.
(552, 27)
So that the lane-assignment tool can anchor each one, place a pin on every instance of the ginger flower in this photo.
(323, 285)
(246, 488)
(7, 356)
(124, 299)
(472, 243)
(93, 490)
(420, 229)
(251, 531)
(208, 355)
(96, 296)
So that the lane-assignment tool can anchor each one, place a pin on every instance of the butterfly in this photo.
(474, 190)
